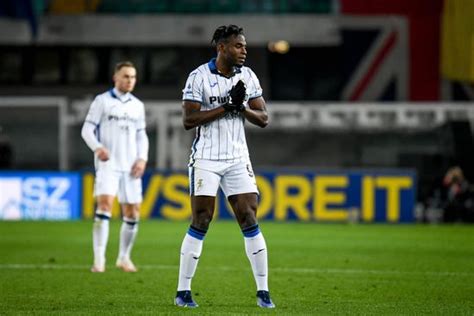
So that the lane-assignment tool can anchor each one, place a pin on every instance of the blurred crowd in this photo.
(452, 200)
(458, 197)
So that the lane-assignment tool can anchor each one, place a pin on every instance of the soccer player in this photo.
(114, 130)
(219, 96)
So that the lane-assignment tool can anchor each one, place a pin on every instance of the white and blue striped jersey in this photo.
(224, 138)
(119, 123)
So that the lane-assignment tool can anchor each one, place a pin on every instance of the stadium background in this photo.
(365, 86)
(369, 107)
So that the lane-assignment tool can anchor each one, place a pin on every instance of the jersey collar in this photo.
(213, 68)
(122, 97)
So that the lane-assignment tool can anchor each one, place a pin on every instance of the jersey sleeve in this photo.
(142, 138)
(254, 90)
(141, 122)
(90, 124)
(95, 112)
(142, 145)
(193, 90)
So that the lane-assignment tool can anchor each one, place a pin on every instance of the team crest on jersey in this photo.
(199, 185)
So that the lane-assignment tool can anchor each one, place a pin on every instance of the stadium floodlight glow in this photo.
(280, 47)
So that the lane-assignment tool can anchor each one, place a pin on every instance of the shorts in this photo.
(205, 177)
(118, 183)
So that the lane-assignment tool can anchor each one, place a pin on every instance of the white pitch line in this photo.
(21, 266)
(361, 271)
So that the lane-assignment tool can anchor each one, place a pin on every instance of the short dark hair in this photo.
(222, 33)
(122, 64)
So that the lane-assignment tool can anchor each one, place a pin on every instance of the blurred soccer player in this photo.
(217, 99)
(114, 130)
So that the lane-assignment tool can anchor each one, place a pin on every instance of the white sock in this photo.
(191, 249)
(100, 236)
(256, 250)
(128, 232)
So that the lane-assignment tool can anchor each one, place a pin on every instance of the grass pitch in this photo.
(314, 269)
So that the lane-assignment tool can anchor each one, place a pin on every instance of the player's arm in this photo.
(88, 134)
(193, 116)
(88, 131)
(143, 145)
(256, 112)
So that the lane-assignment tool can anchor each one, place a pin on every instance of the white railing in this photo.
(173, 142)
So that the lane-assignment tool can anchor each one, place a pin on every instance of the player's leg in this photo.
(206, 184)
(100, 231)
(240, 187)
(128, 233)
(191, 248)
(105, 189)
(130, 197)
(245, 209)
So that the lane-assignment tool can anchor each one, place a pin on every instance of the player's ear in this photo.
(220, 47)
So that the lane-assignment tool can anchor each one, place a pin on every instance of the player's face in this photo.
(236, 50)
(125, 79)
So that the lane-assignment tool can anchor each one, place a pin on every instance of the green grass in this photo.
(315, 269)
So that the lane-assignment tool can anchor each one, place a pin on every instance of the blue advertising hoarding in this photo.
(40, 195)
(365, 196)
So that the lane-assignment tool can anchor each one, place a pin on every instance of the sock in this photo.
(191, 249)
(256, 250)
(128, 232)
(100, 236)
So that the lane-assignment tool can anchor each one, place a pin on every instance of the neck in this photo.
(223, 67)
(119, 92)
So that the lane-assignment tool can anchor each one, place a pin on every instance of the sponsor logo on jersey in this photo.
(219, 99)
(121, 118)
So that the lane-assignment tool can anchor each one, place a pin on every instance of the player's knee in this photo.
(132, 211)
(133, 217)
(128, 211)
(105, 206)
(247, 218)
(202, 220)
